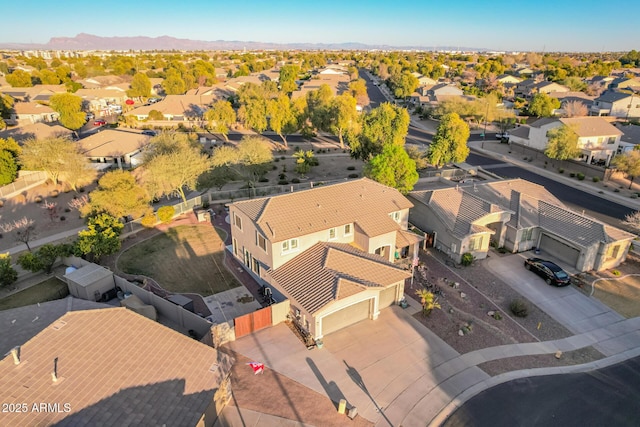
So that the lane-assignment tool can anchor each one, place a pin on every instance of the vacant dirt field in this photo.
(186, 258)
(618, 288)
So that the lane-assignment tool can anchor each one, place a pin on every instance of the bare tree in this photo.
(575, 108)
(25, 229)
(633, 220)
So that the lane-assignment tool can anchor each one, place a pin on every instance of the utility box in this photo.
(182, 301)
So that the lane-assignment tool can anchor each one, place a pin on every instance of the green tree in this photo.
(173, 163)
(450, 141)
(42, 259)
(304, 161)
(386, 125)
(174, 84)
(8, 275)
(343, 115)
(250, 160)
(358, 89)
(140, 86)
(57, 156)
(19, 78)
(562, 143)
(282, 118)
(216, 177)
(8, 168)
(69, 107)
(394, 168)
(220, 117)
(102, 237)
(420, 157)
(428, 301)
(119, 195)
(319, 107)
(404, 85)
(6, 107)
(629, 164)
(542, 105)
(155, 115)
(48, 77)
(288, 76)
(166, 213)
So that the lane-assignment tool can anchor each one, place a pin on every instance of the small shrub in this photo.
(38, 199)
(148, 221)
(572, 174)
(615, 272)
(519, 308)
(467, 259)
(634, 196)
(295, 181)
(616, 190)
(353, 175)
(497, 315)
(283, 182)
(282, 176)
(580, 176)
(524, 158)
(166, 213)
(560, 170)
(530, 160)
(67, 210)
(62, 218)
(351, 168)
(274, 168)
(263, 180)
(595, 179)
(282, 157)
(276, 160)
(81, 189)
(600, 192)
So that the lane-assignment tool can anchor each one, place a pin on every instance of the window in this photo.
(526, 235)
(237, 221)
(234, 243)
(347, 230)
(255, 266)
(614, 252)
(612, 140)
(290, 245)
(261, 241)
(332, 234)
(395, 216)
(475, 244)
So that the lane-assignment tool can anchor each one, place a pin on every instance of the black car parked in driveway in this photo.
(549, 271)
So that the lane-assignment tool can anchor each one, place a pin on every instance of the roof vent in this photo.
(15, 352)
(59, 324)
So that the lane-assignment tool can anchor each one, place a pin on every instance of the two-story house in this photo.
(617, 104)
(598, 139)
(330, 250)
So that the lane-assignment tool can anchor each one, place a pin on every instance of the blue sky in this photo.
(561, 25)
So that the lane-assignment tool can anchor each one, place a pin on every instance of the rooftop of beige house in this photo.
(99, 93)
(177, 105)
(112, 143)
(296, 214)
(32, 108)
(328, 272)
(35, 131)
(113, 367)
(591, 126)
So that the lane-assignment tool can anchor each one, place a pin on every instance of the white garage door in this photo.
(387, 297)
(560, 250)
(345, 317)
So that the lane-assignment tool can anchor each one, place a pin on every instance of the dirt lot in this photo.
(186, 258)
(620, 291)
(467, 297)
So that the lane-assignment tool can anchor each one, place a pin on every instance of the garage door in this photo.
(345, 317)
(560, 250)
(387, 297)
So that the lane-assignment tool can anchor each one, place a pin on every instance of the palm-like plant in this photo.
(428, 300)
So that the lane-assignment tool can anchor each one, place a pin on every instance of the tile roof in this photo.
(32, 108)
(407, 238)
(327, 272)
(34, 130)
(114, 367)
(112, 143)
(591, 126)
(177, 105)
(612, 96)
(521, 131)
(363, 201)
(543, 121)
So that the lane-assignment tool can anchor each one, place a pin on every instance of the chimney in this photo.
(54, 374)
(15, 352)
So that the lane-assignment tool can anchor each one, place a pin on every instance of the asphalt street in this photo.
(606, 397)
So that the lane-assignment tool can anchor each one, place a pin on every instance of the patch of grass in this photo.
(184, 259)
(49, 290)
(622, 295)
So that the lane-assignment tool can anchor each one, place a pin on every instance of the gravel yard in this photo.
(468, 295)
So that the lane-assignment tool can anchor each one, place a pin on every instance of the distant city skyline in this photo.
(561, 25)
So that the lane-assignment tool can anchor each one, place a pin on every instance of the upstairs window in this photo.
(347, 230)
(332, 234)
(237, 221)
(395, 216)
(261, 241)
(290, 245)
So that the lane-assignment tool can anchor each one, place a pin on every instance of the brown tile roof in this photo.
(361, 201)
(35, 130)
(112, 143)
(591, 126)
(407, 238)
(327, 272)
(114, 367)
(32, 108)
(177, 105)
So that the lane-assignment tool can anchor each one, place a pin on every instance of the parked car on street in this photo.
(149, 132)
(99, 122)
(549, 271)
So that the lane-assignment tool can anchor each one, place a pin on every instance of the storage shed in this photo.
(90, 282)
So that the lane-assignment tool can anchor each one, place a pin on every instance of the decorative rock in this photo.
(491, 313)
(456, 285)
(463, 295)
(460, 332)
(558, 354)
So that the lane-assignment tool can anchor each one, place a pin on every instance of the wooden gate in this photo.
(429, 240)
(252, 322)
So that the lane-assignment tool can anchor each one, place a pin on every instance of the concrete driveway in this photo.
(575, 310)
(391, 369)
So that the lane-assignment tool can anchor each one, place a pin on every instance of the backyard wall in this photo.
(568, 165)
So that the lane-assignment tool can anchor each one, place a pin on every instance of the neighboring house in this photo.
(32, 112)
(519, 216)
(38, 130)
(99, 100)
(572, 96)
(630, 138)
(113, 146)
(40, 93)
(444, 89)
(330, 250)
(548, 87)
(597, 138)
(178, 108)
(624, 83)
(508, 79)
(112, 366)
(337, 82)
(425, 81)
(616, 104)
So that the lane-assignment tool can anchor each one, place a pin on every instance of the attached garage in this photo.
(346, 316)
(560, 250)
(387, 297)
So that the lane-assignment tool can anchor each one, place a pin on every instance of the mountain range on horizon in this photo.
(85, 41)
